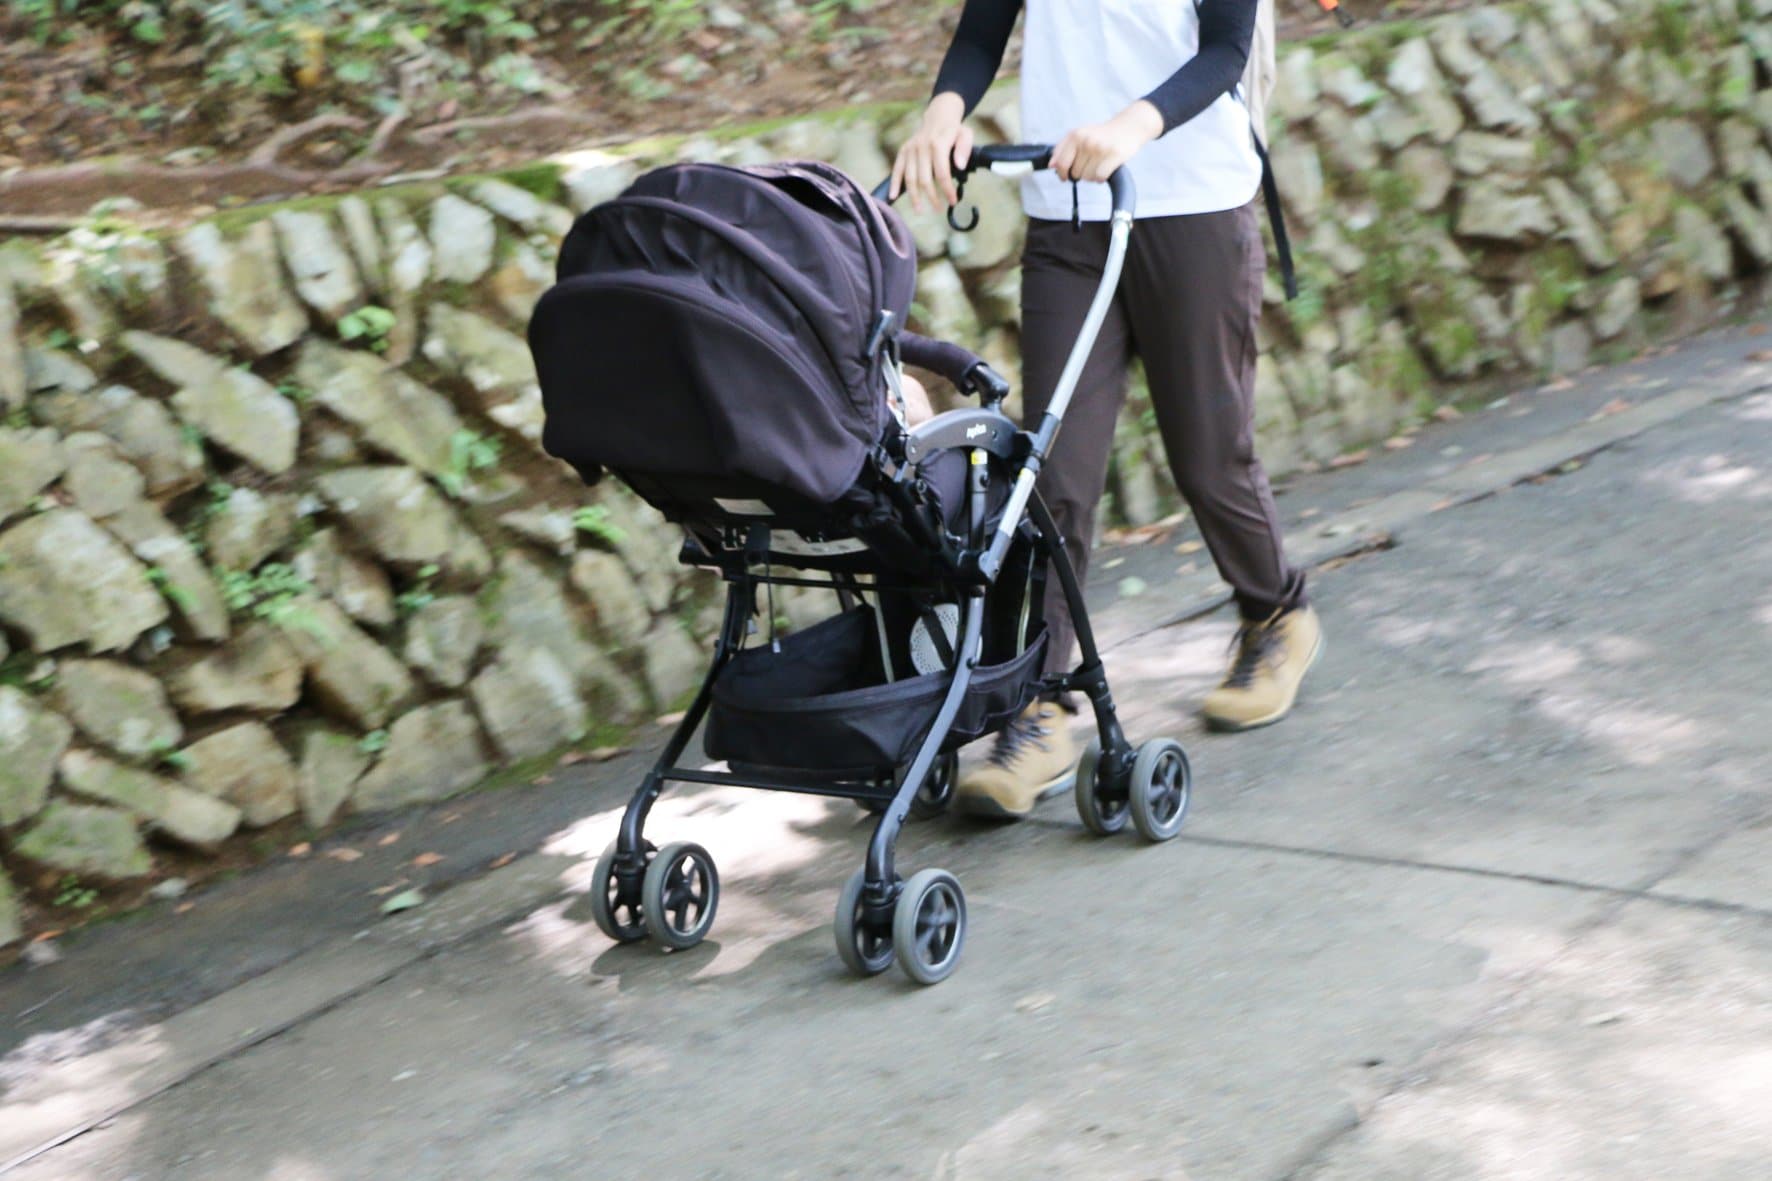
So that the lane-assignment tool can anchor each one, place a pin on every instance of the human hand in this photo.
(1093, 152)
(925, 164)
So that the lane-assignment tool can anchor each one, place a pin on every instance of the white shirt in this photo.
(1085, 61)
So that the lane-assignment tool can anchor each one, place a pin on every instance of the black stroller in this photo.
(727, 341)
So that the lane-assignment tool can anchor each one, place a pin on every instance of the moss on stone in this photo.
(544, 179)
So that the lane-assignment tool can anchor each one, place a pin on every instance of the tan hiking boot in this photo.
(1033, 759)
(1271, 659)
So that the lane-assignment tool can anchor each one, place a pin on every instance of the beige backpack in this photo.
(1258, 78)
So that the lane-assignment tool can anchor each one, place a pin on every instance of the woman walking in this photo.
(1150, 84)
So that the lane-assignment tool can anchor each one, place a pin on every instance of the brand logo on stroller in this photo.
(977, 429)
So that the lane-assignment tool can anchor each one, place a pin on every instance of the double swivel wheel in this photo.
(925, 933)
(1152, 791)
(675, 906)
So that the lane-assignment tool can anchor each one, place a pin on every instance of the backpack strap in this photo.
(1270, 192)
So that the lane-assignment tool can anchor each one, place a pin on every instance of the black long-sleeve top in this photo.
(1226, 29)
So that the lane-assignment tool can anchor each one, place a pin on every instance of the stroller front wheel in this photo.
(679, 896)
(929, 926)
(1161, 789)
(616, 913)
(864, 949)
(1102, 814)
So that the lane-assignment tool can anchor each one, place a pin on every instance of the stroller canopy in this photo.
(715, 322)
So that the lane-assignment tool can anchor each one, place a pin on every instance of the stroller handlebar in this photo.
(1018, 159)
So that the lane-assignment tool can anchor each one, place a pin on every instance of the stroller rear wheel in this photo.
(1104, 810)
(929, 926)
(933, 798)
(1161, 788)
(679, 895)
(617, 916)
(864, 949)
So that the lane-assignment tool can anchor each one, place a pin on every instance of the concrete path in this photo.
(1494, 904)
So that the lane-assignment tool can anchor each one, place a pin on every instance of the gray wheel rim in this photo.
(1097, 818)
(680, 895)
(1161, 788)
(929, 926)
(685, 896)
(938, 925)
(863, 951)
(620, 921)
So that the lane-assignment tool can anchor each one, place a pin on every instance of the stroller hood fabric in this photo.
(715, 322)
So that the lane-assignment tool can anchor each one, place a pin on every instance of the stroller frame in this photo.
(671, 894)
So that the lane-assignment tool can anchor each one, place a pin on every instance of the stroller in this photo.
(728, 341)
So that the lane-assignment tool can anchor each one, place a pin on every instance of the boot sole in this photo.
(1230, 726)
(988, 808)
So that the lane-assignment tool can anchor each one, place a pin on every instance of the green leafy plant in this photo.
(593, 519)
(173, 593)
(165, 754)
(296, 392)
(71, 892)
(274, 593)
(469, 452)
(418, 596)
(370, 324)
(374, 742)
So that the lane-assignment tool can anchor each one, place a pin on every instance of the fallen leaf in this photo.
(502, 860)
(301, 850)
(1760, 355)
(1112, 562)
(182, 907)
(1186, 568)
(603, 754)
(541, 780)
(1759, 329)
(1307, 514)
(1573, 465)
(1615, 406)
(573, 758)
(1132, 587)
(1557, 386)
(346, 854)
(45, 936)
(1398, 442)
(405, 900)
(670, 719)
(1351, 459)
(1190, 547)
(424, 859)
(1447, 413)
(388, 840)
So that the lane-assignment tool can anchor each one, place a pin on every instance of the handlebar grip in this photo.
(1125, 193)
(1039, 156)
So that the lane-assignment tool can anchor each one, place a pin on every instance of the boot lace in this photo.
(1023, 732)
(1253, 642)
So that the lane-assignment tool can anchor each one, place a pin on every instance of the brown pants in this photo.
(1189, 299)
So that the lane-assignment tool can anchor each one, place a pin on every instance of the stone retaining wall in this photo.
(276, 540)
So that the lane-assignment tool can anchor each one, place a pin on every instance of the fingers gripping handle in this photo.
(1016, 159)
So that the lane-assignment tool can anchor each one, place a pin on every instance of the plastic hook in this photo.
(960, 195)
